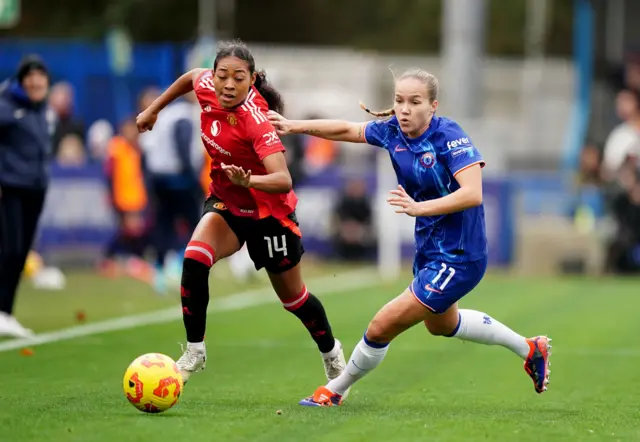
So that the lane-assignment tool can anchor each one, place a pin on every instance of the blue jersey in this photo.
(426, 167)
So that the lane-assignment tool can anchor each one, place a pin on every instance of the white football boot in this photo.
(191, 361)
(11, 328)
(334, 366)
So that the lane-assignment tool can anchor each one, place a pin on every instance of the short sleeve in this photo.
(458, 151)
(203, 84)
(266, 141)
(376, 133)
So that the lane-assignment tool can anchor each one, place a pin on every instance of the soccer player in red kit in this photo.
(250, 200)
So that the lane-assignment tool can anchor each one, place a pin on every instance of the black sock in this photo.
(311, 312)
(194, 295)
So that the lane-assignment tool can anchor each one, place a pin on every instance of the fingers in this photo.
(278, 122)
(395, 201)
(229, 169)
(235, 173)
(143, 127)
(232, 168)
(400, 191)
(402, 205)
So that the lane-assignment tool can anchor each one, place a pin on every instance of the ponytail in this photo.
(380, 114)
(269, 93)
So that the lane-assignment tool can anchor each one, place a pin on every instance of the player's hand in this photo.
(237, 175)
(146, 119)
(280, 123)
(403, 202)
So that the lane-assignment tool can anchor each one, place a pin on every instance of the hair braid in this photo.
(379, 114)
(430, 81)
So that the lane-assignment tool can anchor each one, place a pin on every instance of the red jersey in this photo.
(242, 136)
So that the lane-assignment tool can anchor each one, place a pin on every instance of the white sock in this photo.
(363, 359)
(197, 346)
(479, 327)
(334, 352)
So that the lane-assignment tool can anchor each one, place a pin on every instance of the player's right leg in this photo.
(440, 285)
(394, 318)
(277, 246)
(478, 327)
(212, 240)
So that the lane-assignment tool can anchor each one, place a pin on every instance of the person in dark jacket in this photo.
(25, 146)
(173, 160)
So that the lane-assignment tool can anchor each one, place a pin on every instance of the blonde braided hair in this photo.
(429, 80)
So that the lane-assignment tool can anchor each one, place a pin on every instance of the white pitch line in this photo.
(339, 283)
(422, 348)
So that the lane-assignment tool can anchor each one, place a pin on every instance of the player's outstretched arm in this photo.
(336, 130)
(183, 85)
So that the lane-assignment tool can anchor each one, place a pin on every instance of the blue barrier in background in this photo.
(99, 93)
(77, 220)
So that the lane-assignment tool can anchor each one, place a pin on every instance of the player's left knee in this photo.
(438, 329)
(378, 332)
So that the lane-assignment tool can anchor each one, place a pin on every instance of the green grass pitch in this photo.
(261, 360)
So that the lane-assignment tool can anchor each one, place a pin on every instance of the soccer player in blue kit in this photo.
(439, 172)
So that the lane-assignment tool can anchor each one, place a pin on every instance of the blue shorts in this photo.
(438, 285)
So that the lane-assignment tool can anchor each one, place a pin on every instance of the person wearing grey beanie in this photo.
(25, 146)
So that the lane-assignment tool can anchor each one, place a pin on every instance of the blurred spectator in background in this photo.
(71, 152)
(294, 145)
(319, 154)
(623, 255)
(99, 135)
(205, 179)
(625, 138)
(124, 167)
(588, 204)
(25, 148)
(64, 122)
(174, 158)
(147, 97)
(353, 214)
(632, 71)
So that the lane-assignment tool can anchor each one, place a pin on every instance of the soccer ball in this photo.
(153, 383)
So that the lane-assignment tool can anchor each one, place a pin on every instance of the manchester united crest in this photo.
(232, 119)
